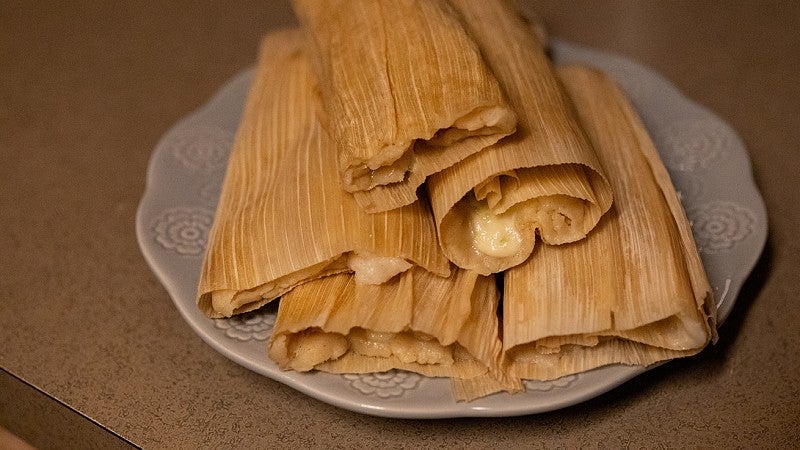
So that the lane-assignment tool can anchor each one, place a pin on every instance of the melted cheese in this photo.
(371, 269)
(494, 235)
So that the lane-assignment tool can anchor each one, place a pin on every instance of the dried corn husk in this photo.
(436, 326)
(282, 216)
(492, 382)
(633, 292)
(393, 73)
(545, 177)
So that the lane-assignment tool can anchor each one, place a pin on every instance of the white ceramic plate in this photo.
(705, 157)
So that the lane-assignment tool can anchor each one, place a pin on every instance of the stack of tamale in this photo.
(395, 158)
(361, 292)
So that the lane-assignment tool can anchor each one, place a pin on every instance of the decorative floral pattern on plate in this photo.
(693, 144)
(203, 149)
(255, 325)
(717, 226)
(393, 383)
(543, 386)
(184, 230)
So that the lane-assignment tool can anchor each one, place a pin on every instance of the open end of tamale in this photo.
(229, 302)
(406, 91)
(543, 180)
(436, 326)
(630, 293)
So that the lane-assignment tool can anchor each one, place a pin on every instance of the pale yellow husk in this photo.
(545, 178)
(435, 326)
(406, 91)
(282, 216)
(634, 292)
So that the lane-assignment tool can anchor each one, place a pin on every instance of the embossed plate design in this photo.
(706, 159)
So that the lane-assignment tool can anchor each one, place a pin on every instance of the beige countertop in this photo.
(94, 353)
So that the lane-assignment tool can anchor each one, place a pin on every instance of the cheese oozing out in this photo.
(407, 346)
(495, 235)
(373, 269)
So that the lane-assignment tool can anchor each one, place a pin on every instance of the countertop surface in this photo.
(94, 354)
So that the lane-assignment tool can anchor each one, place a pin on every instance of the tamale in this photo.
(405, 89)
(635, 291)
(282, 216)
(545, 179)
(435, 326)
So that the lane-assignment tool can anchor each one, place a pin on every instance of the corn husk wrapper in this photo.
(406, 91)
(545, 177)
(282, 216)
(634, 292)
(435, 326)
